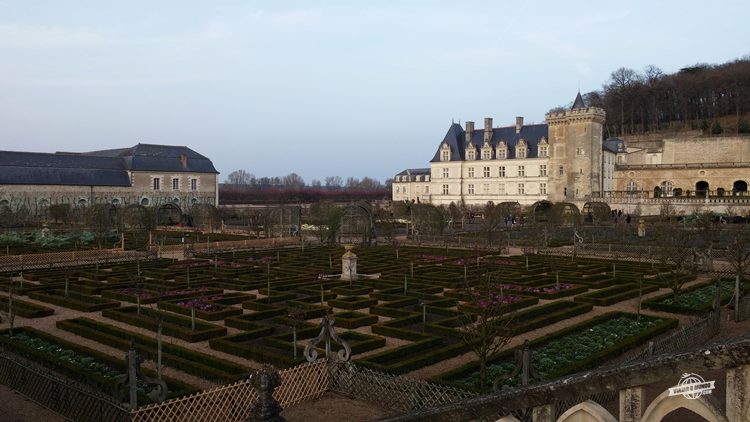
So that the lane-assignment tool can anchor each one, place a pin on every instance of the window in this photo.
(486, 154)
(579, 151)
(427, 189)
(560, 171)
(501, 188)
(486, 188)
(543, 188)
(502, 153)
(521, 171)
(486, 172)
(543, 150)
(445, 173)
(445, 189)
(175, 183)
(502, 171)
(470, 155)
(470, 189)
(193, 184)
(445, 155)
(666, 188)
(521, 152)
(157, 183)
(543, 170)
(520, 189)
(398, 189)
(471, 171)
(632, 186)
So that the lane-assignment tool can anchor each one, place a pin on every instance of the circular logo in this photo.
(692, 386)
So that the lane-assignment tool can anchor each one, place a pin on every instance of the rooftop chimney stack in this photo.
(519, 123)
(469, 131)
(487, 129)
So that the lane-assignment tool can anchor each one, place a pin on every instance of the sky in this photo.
(324, 88)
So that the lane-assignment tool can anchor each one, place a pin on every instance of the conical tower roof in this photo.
(578, 103)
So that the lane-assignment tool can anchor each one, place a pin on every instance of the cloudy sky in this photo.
(348, 88)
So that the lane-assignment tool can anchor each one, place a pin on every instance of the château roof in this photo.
(455, 138)
(98, 168)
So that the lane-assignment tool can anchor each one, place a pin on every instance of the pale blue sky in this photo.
(348, 88)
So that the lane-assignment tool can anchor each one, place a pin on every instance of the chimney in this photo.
(487, 129)
(183, 161)
(519, 123)
(469, 131)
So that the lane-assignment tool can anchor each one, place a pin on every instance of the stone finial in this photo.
(265, 408)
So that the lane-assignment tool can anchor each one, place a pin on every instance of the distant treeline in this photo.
(695, 97)
(245, 194)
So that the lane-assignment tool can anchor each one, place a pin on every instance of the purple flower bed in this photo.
(148, 294)
(132, 291)
(466, 261)
(201, 303)
(191, 264)
(517, 288)
(431, 258)
(495, 299)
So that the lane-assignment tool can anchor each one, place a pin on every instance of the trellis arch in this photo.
(356, 223)
(596, 212)
(540, 211)
(168, 214)
(564, 213)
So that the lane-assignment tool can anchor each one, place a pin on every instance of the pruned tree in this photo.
(101, 221)
(678, 257)
(738, 256)
(491, 221)
(486, 322)
(427, 219)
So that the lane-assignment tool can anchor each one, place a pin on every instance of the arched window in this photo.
(666, 188)
(116, 201)
(144, 202)
(194, 201)
(739, 186)
(632, 186)
(81, 202)
(701, 187)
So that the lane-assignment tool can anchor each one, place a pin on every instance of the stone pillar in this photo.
(544, 413)
(632, 404)
(265, 408)
(738, 393)
(349, 264)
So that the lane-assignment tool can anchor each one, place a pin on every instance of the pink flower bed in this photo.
(466, 261)
(431, 258)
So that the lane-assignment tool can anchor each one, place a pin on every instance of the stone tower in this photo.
(575, 139)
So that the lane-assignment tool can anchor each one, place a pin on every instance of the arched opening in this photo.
(596, 212)
(144, 202)
(739, 186)
(701, 187)
(540, 211)
(587, 411)
(169, 215)
(666, 404)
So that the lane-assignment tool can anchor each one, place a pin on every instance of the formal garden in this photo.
(217, 316)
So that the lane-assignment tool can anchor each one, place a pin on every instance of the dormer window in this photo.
(486, 151)
(501, 152)
(521, 149)
(543, 148)
(471, 154)
(445, 153)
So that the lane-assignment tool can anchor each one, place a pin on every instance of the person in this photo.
(627, 218)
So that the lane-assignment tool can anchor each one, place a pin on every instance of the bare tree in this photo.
(333, 182)
(492, 218)
(486, 323)
(738, 256)
(240, 177)
(676, 252)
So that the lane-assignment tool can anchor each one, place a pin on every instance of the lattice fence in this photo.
(388, 390)
(58, 393)
(232, 402)
(57, 259)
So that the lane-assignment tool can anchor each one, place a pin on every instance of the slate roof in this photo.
(578, 103)
(614, 144)
(414, 172)
(456, 139)
(98, 168)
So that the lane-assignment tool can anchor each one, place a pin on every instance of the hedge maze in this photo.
(406, 313)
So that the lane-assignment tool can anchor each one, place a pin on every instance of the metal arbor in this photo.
(596, 212)
(356, 223)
